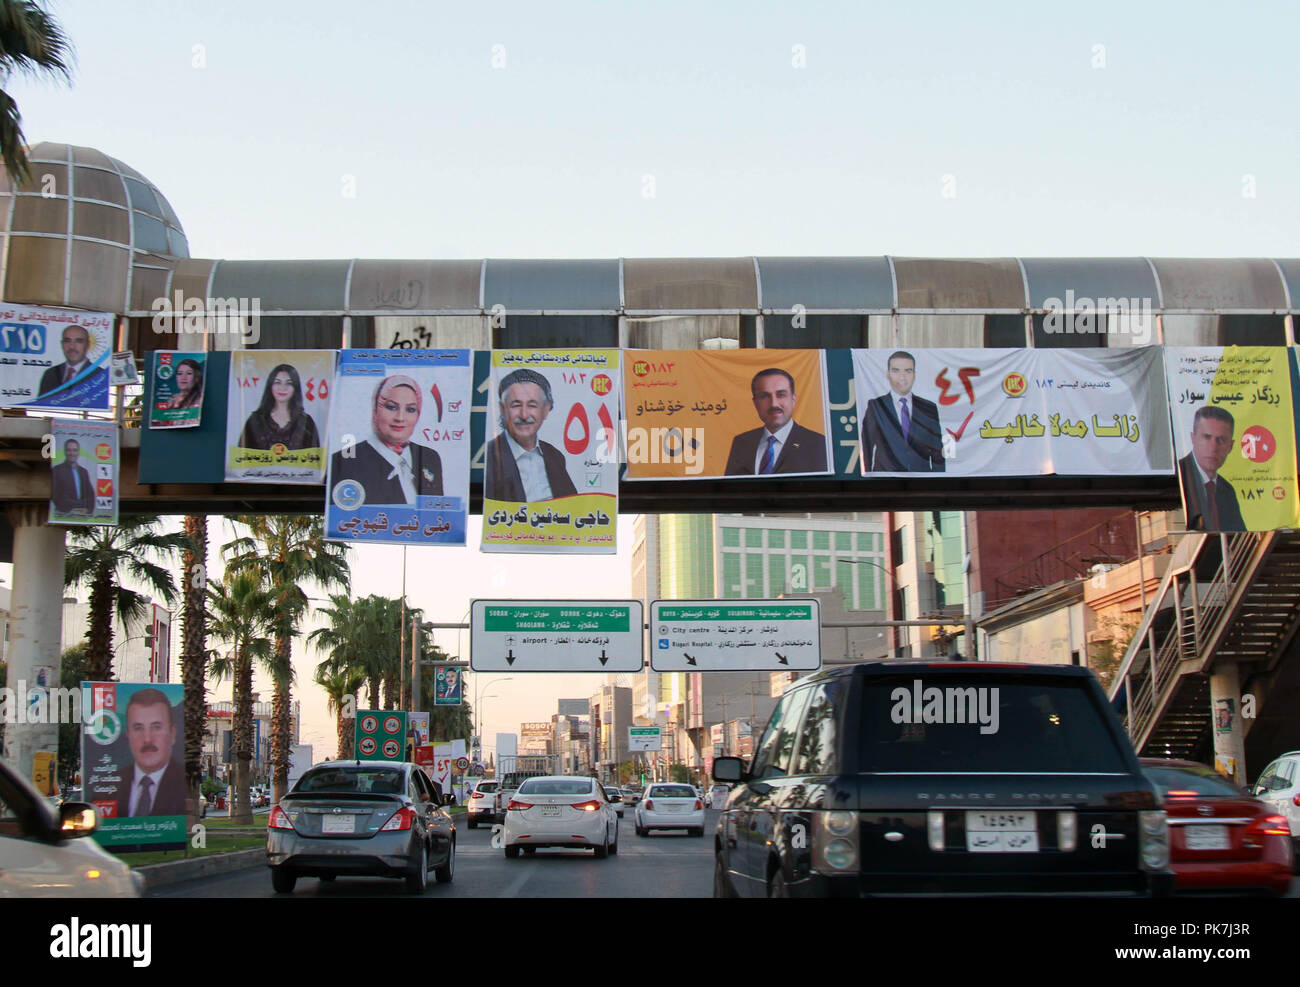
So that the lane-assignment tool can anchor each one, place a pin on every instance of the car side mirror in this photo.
(77, 819)
(728, 770)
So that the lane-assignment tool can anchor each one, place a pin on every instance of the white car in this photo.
(1279, 785)
(41, 855)
(560, 811)
(482, 805)
(670, 806)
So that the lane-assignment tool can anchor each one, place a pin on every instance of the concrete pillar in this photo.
(1225, 708)
(35, 626)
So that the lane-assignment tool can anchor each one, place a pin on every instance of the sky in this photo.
(567, 130)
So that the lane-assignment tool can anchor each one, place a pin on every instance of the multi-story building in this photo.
(611, 715)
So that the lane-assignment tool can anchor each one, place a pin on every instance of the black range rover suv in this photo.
(980, 778)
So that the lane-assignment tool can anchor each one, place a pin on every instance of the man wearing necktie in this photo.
(71, 491)
(76, 345)
(781, 445)
(154, 783)
(900, 431)
(1210, 501)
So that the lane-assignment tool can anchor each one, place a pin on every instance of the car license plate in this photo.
(550, 810)
(336, 824)
(1206, 837)
(1001, 832)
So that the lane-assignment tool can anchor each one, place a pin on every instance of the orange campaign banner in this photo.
(702, 414)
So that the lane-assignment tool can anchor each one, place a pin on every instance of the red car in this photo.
(1221, 838)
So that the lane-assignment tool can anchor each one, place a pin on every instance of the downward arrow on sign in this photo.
(603, 657)
(510, 657)
(782, 658)
(689, 659)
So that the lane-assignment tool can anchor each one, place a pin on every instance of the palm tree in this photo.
(33, 43)
(97, 555)
(194, 655)
(362, 636)
(240, 615)
(286, 551)
(338, 686)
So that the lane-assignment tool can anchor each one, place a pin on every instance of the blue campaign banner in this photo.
(399, 447)
(54, 358)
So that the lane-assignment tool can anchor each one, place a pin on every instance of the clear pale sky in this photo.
(682, 129)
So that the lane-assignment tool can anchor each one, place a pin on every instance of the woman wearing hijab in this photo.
(280, 418)
(189, 385)
(392, 468)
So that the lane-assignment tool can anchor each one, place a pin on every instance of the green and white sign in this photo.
(644, 739)
(381, 735)
(556, 636)
(735, 636)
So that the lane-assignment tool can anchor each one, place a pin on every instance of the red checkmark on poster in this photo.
(956, 436)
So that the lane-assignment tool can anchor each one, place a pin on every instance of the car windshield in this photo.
(673, 792)
(981, 722)
(555, 786)
(1187, 781)
(378, 781)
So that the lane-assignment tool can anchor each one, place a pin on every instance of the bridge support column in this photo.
(1225, 709)
(35, 629)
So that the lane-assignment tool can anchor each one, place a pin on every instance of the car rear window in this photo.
(984, 723)
(486, 786)
(386, 782)
(555, 786)
(1174, 781)
(673, 792)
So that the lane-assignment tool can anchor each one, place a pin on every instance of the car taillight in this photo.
(591, 806)
(516, 805)
(1296, 799)
(402, 819)
(1175, 793)
(835, 841)
(1153, 839)
(699, 804)
(279, 819)
(649, 805)
(1270, 826)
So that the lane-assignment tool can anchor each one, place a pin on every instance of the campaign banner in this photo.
(178, 379)
(1234, 435)
(399, 447)
(1011, 412)
(54, 358)
(84, 472)
(446, 685)
(132, 762)
(277, 415)
(418, 748)
(702, 414)
(550, 476)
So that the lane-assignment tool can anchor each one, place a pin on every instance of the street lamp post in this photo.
(478, 696)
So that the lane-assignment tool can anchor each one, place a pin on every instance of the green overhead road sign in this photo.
(556, 636)
(644, 739)
(735, 636)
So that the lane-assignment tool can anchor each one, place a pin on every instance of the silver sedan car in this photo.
(361, 818)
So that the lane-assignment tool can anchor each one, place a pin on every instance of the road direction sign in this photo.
(735, 635)
(644, 739)
(556, 636)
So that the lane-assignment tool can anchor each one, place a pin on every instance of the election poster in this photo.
(446, 685)
(418, 748)
(550, 480)
(132, 762)
(1234, 436)
(399, 447)
(700, 414)
(84, 472)
(54, 358)
(1010, 412)
(277, 415)
(177, 396)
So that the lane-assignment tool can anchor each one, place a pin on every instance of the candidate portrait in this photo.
(1210, 500)
(72, 490)
(153, 784)
(519, 466)
(75, 341)
(900, 430)
(780, 444)
(389, 466)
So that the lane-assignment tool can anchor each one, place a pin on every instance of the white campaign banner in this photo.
(1012, 412)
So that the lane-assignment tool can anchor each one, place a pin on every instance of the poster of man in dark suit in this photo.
(780, 445)
(520, 467)
(71, 489)
(153, 784)
(76, 346)
(1209, 500)
(900, 431)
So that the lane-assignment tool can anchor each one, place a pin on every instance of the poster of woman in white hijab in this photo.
(399, 447)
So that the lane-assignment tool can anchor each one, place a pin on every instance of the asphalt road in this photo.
(663, 865)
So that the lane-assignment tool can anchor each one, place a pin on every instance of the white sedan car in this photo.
(670, 806)
(560, 811)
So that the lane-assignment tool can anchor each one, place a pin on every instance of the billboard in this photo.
(277, 415)
(54, 358)
(84, 472)
(178, 387)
